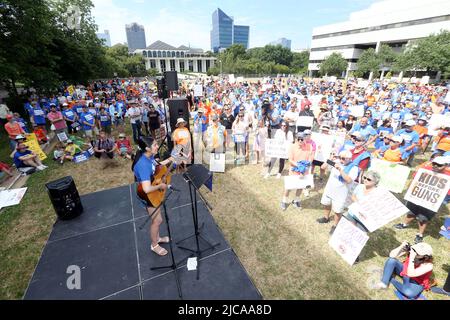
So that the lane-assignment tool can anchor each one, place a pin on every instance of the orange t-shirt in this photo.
(393, 155)
(444, 144)
(181, 136)
(421, 131)
(13, 130)
(370, 101)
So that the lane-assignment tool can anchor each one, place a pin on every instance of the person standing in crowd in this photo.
(360, 155)
(14, 129)
(298, 151)
(227, 119)
(182, 141)
(134, 113)
(39, 117)
(116, 115)
(215, 136)
(259, 144)
(337, 193)
(423, 215)
(154, 121)
(88, 123)
(57, 119)
(306, 112)
(291, 117)
(274, 117)
(201, 124)
(4, 111)
(71, 119)
(240, 131)
(283, 136)
(145, 121)
(415, 271)
(105, 120)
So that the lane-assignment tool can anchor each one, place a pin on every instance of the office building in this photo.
(135, 36)
(164, 57)
(285, 43)
(225, 33)
(395, 23)
(106, 37)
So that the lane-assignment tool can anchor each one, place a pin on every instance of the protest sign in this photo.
(276, 149)
(324, 145)
(377, 209)
(428, 189)
(425, 80)
(436, 122)
(231, 78)
(363, 84)
(240, 79)
(71, 90)
(84, 156)
(11, 197)
(447, 97)
(348, 240)
(62, 136)
(198, 90)
(356, 110)
(303, 121)
(217, 162)
(298, 182)
(393, 176)
(34, 146)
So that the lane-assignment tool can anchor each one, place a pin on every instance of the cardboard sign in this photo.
(436, 122)
(11, 197)
(217, 162)
(62, 136)
(34, 146)
(377, 209)
(348, 240)
(198, 90)
(393, 176)
(303, 121)
(356, 110)
(298, 182)
(324, 146)
(231, 78)
(425, 80)
(428, 189)
(276, 149)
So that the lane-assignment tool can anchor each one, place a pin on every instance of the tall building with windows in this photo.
(135, 36)
(285, 43)
(225, 33)
(164, 57)
(106, 37)
(395, 23)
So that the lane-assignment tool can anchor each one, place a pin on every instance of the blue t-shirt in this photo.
(105, 119)
(365, 132)
(89, 118)
(145, 168)
(203, 120)
(409, 138)
(19, 163)
(69, 114)
(39, 116)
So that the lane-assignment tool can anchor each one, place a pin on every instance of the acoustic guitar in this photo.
(162, 175)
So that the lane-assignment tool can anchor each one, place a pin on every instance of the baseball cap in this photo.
(397, 139)
(442, 160)
(410, 123)
(300, 135)
(122, 135)
(325, 127)
(65, 104)
(201, 110)
(423, 249)
(423, 118)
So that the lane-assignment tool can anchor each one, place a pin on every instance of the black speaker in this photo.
(178, 108)
(171, 80)
(162, 89)
(65, 198)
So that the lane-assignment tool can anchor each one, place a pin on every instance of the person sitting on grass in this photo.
(26, 158)
(104, 147)
(415, 271)
(123, 146)
(70, 151)
(58, 153)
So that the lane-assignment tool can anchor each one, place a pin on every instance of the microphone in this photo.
(172, 188)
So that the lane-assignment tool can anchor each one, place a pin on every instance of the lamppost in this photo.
(220, 61)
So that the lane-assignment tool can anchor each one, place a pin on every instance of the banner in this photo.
(276, 149)
(348, 240)
(11, 197)
(356, 110)
(377, 209)
(34, 146)
(303, 121)
(428, 189)
(217, 162)
(436, 122)
(71, 90)
(198, 90)
(84, 156)
(324, 146)
(393, 176)
(298, 182)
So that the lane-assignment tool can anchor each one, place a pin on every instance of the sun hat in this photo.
(122, 135)
(397, 139)
(441, 160)
(423, 249)
(410, 123)
(180, 120)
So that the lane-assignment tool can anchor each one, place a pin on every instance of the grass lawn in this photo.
(286, 253)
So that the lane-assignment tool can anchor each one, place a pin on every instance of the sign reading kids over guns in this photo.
(428, 189)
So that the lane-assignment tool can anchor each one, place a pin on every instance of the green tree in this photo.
(369, 61)
(333, 65)
(276, 54)
(300, 62)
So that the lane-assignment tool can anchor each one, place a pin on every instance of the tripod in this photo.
(167, 139)
(193, 188)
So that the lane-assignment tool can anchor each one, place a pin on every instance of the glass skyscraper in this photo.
(224, 33)
(135, 37)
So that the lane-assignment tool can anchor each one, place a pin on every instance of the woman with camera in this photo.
(415, 271)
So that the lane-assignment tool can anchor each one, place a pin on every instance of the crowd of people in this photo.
(385, 120)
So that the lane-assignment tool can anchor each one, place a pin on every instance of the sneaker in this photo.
(379, 285)
(278, 175)
(40, 168)
(266, 176)
(297, 204)
(332, 230)
(44, 166)
(439, 291)
(401, 226)
(323, 220)
(418, 239)
(284, 205)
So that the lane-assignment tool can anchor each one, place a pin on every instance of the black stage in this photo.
(114, 255)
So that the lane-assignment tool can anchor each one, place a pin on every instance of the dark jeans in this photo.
(409, 288)
(145, 124)
(108, 154)
(136, 131)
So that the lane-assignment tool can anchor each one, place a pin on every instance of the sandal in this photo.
(158, 250)
(164, 240)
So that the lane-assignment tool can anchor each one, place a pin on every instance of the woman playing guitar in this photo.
(144, 170)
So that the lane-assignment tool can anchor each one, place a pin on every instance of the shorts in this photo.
(317, 163)
(88, 133)
(337, 206)
(422, 214)
(118, 122)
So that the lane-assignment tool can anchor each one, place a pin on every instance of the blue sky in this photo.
(187, 22)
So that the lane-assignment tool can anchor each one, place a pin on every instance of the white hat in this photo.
(307, 132)
(180, 120)
(410, 123)
(423, 249)
(69, 141)
(439, 160)
(65, 104)
(346, 154)
(19, 137)
(397, 139)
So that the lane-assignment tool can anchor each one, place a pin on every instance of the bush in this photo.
(214, 71)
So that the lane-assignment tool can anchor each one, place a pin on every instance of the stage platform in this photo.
(114, 257)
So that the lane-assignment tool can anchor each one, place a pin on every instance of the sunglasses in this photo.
(300, 139)
(437, 164)
(368, 179)
(343, 159)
